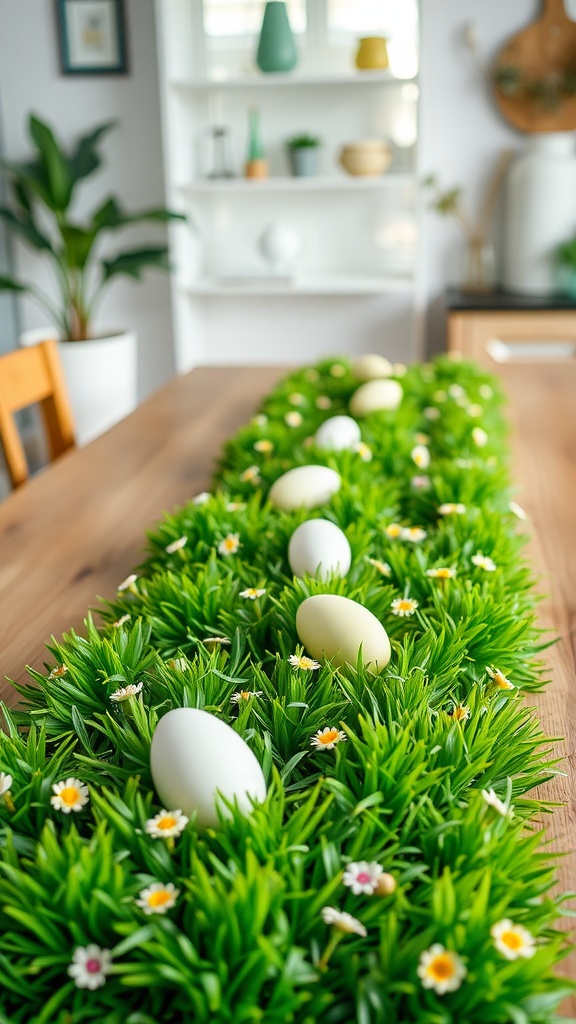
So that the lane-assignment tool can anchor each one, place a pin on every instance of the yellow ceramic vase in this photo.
(372, 54)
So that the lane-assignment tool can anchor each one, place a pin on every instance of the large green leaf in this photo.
(24, 226)
(32, 177)
(78, 244)
(111, 216)
(133, 262)
(8, 284)
(54, 160)
(85, 159)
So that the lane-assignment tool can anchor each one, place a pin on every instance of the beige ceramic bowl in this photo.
(368, 157)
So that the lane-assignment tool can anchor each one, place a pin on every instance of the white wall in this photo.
(461, 131)
(30, 80)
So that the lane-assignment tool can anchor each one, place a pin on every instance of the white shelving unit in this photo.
(354, 286)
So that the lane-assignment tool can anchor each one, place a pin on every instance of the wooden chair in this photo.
(29, 376)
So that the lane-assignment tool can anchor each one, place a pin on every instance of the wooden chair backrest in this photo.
(29, 376)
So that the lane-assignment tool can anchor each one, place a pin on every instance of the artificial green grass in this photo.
(246, 941)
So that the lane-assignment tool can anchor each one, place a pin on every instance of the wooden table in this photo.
(77, 530)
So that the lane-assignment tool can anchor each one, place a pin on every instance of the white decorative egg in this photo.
(304, 487)
(336, 627)
(376, 395)
(194, 756)
(319, 548)
(338, 433)
(372, 367)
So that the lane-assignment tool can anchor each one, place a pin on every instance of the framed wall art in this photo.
(92, 37)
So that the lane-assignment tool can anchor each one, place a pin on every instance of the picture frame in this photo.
(92, 37)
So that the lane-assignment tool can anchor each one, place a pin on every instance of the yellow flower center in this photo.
(512, 940)
(441, 968)
(393, 530)
(230, 543)
(245, 694)
(70, 795)
(444, 574)
(328, 737)
(159, 899)
(406, 604)
(167, 822)
(460, 713)
(501, 681)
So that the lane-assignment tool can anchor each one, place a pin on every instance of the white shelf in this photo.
(334, 182)
(344, 284)
(277, 79)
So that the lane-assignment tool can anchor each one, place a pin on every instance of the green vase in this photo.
(276, 47)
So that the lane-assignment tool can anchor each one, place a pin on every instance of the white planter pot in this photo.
(540, 212)
(101, 376)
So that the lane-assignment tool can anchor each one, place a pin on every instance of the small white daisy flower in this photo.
(480, 437)
(393, 530)
(483, 562)
(236, 506)
(126, 692)
(89, 966)
(499, 679)
(251, 475)
(178, 664)
(430, 413)
(460, 713)
(443, 573)
(494, 801)
(158, 898)
(414, 534)
(362, 877)
(293, 419)
(440, 969)
(382, 567)
(342, 921)
(337, 370)
(128, 583)
(166, 824)
(312, 375)
(69, 795)
(323, 402)
(58, 672)
(326, 739)
(485, 391)
(252, 593)
(260, 420)
(122, 620)
(201, 498)
(420, 482)
(452, 508)
(420, 456)
(241, 695)
(264, 445)
(404, 606)
(364, 451)
(475, 410)
(229, 545)
(216, 641)
(512, 940)
(517, 510)
(456, 391)
(303, 662)
(176, 545)
(296, 398)
(5, 783)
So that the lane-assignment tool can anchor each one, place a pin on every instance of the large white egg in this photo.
(336, 627)
(194, 756)
(372, 367)
(338, 433)
(376, 395)
(304, 487)
(319, 548)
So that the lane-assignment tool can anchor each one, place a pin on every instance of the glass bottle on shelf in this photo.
(221, 159)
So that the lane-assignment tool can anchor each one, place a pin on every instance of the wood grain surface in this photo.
(77, 530)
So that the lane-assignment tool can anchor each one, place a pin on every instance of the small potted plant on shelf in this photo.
(100, 368)
(303, 155)
(566, 268)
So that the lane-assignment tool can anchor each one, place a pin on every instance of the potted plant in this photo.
(302, 154)
(566, 267)
(100, 370)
